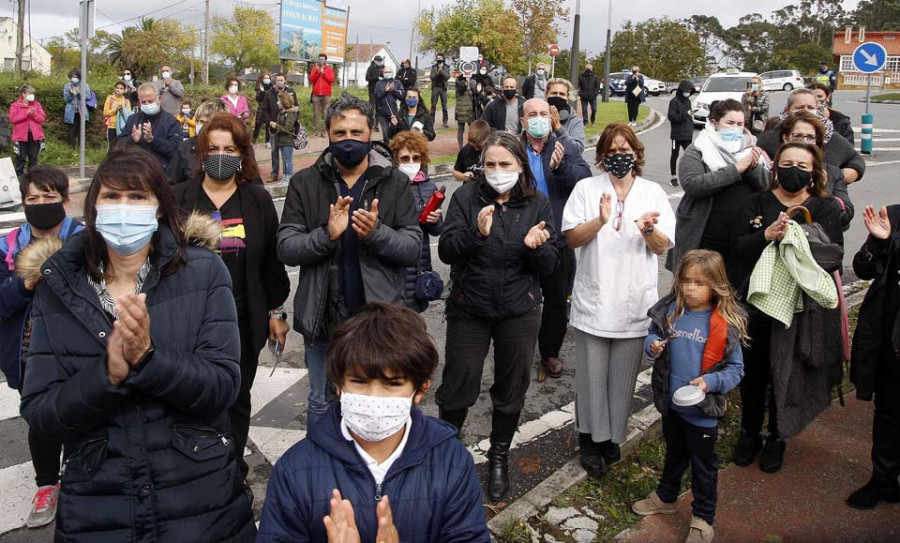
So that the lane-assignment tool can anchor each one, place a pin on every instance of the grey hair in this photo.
(148, 87)
(209, 108)
(346, 102)
(798, 92)
(25, 89)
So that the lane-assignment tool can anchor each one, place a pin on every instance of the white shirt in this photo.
(617, 274)
(233, 99)
(378, 470)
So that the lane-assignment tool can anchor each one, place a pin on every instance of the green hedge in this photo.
(48, 91)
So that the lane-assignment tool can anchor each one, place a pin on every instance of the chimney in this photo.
(848, 33)
(862, 34)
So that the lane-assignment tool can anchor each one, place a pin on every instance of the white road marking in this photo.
(274, 442)
(18, 487)
(883, 163)
(9, 402)
(877, 130)
(265, 388)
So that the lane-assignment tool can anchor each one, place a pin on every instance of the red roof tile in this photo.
(890, 41)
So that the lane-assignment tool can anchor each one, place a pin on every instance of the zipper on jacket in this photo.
(65, 464)
(218, 435)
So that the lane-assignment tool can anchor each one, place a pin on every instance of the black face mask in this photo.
(619, 164)
(561, 105)
(350, 152)
(44, 216)
(793, 179)
(509, 94)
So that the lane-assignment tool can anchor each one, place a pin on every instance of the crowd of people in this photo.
(133, 335)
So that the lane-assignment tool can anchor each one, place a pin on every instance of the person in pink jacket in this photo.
(27, 117)
(234, 100)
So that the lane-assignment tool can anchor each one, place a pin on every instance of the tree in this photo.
(662, 48)
(539, 21)
(149, 46)
(563, 63)
(486, 24)
(805, 58)
(877, 14)
(246, 39)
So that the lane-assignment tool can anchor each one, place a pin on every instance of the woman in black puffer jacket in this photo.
(499, 237)
(133, 364)
(410, 150)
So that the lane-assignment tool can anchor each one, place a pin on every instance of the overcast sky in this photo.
(379, 20)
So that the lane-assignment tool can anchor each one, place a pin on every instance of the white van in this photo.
(721, 86)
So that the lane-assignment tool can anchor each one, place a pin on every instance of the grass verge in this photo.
(610, 112)
(887, 96)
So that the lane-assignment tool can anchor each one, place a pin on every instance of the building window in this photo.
(847, 63)
(892, 64)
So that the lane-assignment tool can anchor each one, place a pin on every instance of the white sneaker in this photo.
(43, 506)
(268, 145)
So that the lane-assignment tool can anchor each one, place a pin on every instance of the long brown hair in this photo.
(608, 137)
(129, 167)
(819, 175)
(712, 267)
(227, 122)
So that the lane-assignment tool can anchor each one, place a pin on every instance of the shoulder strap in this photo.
(11, 248)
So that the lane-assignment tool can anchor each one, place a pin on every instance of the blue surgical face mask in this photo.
(126, 228)
(686, 94)
(412, 102)
(150, 109)
(76, 80)
(731, 134)
(539, 127)
(754, 86)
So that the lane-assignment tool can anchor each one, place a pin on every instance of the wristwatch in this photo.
(139, 365)
(279, 313)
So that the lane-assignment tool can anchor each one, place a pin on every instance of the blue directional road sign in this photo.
(869, 57)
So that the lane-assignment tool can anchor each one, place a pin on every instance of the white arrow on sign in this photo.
(871, 60)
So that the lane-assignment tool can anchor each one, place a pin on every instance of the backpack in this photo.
(301, 140)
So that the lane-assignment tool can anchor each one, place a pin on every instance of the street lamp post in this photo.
(606, 62)
(575, 53)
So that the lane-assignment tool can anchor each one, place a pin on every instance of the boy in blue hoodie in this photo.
(374, 468)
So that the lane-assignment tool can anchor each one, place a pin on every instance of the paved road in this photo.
(544, 442)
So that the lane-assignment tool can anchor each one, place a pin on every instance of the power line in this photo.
(178, 2)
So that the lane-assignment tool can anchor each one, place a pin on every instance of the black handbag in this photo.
(828, 255)
(429, 286)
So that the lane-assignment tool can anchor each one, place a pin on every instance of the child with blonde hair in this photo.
(695, 339)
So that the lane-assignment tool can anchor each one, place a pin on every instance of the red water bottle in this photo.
(437, 198)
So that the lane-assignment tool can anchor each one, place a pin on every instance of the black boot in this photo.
(772, 455)
(457, 418)
(746, 449)
(591, 458)
(875, 491)
(610, 451)
(503, 428)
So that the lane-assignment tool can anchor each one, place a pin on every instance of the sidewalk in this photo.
(804, 502)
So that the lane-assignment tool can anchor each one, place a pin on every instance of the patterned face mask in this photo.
(374, 418)
(619, 164)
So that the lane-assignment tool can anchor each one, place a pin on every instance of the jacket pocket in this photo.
(199, 443)
(85, 462)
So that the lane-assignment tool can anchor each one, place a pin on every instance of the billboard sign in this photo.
(309, 27)
(334, 33)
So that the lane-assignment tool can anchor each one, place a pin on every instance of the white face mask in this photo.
(126, 77)
(411, 170)
(186, 110)
(374, 418)
(233, 89)
(29, 97)
(502, 180)
(166, 75)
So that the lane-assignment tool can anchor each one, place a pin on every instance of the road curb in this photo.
(647, 425)
(863, 100)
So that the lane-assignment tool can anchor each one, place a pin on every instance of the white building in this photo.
(356, 71)
(34, 57)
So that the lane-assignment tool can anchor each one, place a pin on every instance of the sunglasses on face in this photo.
(409, 159)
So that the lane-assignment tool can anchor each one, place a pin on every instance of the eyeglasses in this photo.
(809, 138)
(409, 159)
(620, 209)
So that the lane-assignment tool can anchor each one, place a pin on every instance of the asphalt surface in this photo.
(280, 401)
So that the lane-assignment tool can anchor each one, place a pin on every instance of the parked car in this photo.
(697, 81)
(617, 83)
(654, 87)
(786, 80)
(721, 86)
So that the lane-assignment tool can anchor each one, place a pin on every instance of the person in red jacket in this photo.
(321, 76)
(27, 117)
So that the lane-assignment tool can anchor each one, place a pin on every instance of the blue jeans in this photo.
(314, 356)
(287, 155)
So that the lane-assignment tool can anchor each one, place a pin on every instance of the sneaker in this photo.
(701, 532)
(43, 506)
(747, 446)
(868, 496)
(272, 177)
(553, 367)
(268, 145)
(772, 455)
(653, 505)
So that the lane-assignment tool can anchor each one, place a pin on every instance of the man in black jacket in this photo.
(270, 113)
(557, 166)
(588, 88)
(505, 114)
(407, 74)
(152, 128)
(349, 222)
(440, 74)
(373, 74)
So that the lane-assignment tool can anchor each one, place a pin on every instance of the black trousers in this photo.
(439, 93)
(886, 425)
(468, 339)
(755, 389)
(633, 107)
(75, 130)
(240, 410)
(26, 151)
(687, 444)
(45, 455)
(677, 147)
(555, 319)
